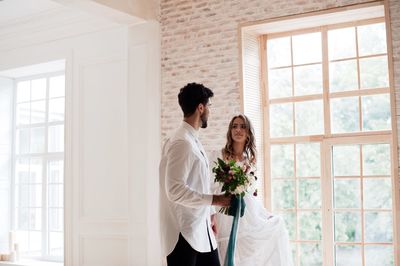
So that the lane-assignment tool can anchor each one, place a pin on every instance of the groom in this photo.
(185, 194)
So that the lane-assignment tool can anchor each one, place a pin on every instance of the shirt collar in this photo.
(191, 129)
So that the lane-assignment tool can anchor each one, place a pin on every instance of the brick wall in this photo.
(200, 43)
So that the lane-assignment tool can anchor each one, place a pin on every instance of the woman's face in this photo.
(239, 130)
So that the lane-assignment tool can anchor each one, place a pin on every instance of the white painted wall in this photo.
(112, 136)
(144, 116)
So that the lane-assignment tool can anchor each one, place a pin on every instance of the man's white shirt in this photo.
(185, 192)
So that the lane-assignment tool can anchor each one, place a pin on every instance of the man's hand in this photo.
(214, 224)
(221, 200)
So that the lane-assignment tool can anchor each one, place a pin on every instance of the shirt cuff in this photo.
(208, 199)
(213, 210)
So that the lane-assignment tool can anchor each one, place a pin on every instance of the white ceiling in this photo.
(19, 18)
(12, 11)
(25, 11)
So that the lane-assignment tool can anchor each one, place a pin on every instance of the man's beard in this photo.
(203, 119)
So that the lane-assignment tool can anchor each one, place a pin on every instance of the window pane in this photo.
(372, 39)
(23, 91)
(310, 254)
(309, 118)
(345, 115)
(23, 113)
(38, 90)
(378, 227)
(310, 225)
(290, 222)
(346, 160)
(379, 255)
(282, 161)
(281, 120)
(23, 218)
(347, 193)
(343, 76)
(56, 138)
(57, 87)
(374, 72)
(56, 219)
(308, 80)
(376, 112)
(294, 249)
(37, 140)
(36, 170)
(377, 193)
(307, 48)
(55, 171)
(342, 43)
(278, 51)
(22, 196)
(56, 242)
(22, 171)
(376, 159)
(309, 193)
(22, 238)
(308, 160)
(283, 193)
(348, 255)
(280, 83)
(35, 244)
(35, 219)
(38, 112)
(56, 195)
(347, 226)
(35, 195)
(56, 109)
(23, 141)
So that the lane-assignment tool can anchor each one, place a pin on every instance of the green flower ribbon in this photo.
(236, 210)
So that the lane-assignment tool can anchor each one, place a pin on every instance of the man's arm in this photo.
(221, 200)
(179, 165)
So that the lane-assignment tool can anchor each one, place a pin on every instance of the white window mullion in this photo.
(45, 233)
(13, 156)
(327, 204)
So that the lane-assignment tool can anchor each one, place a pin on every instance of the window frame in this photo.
(258, 30)
(46, 157)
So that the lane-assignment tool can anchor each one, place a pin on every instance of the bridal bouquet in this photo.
(236, 179)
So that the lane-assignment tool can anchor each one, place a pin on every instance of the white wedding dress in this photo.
(262, 238)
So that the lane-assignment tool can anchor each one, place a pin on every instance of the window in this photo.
(318, 88)
(329, 141)
(38, 205)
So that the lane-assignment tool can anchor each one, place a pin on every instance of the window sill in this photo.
(30, 263)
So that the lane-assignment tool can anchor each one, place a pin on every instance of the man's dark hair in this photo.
(191, 96)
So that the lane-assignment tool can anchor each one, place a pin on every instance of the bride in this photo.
(262, 238)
